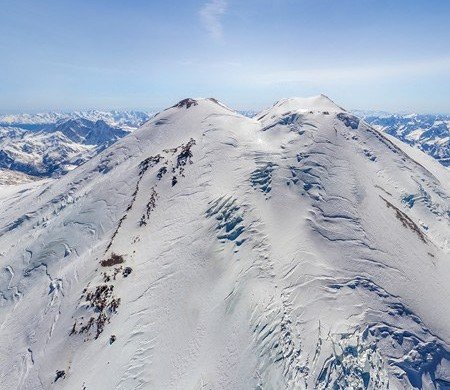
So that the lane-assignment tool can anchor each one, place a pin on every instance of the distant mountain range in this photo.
(49, 144)
(127, 120)
(429, 133)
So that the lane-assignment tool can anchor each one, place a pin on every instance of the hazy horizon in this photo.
(151, 110)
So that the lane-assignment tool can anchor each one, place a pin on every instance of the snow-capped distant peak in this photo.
(429, 133)
(208, 102)
(315, 104)
(186, 103)
(192, 107)
(53, 143)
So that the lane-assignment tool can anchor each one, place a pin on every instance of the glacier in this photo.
(210, 250)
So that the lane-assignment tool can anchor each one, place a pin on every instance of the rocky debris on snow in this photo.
(149, 207)
(127, 271)
(405, 220)
(186, 103)
(101, 302)
(114, 259)
(60, 374)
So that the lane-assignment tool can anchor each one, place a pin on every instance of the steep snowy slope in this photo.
(206, 250)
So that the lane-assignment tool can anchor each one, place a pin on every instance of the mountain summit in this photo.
(297, 249)
(319, 103)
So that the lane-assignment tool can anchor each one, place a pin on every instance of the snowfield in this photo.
(299, 249)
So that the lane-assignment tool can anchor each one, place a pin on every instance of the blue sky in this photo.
(146, 54)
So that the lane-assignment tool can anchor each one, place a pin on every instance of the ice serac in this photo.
(298, 249)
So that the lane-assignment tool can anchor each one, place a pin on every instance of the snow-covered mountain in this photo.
(8, 177)
(298, 249)
(127, 120)
(429, 133)
(51, 144)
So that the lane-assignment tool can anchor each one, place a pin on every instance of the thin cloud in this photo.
(211, 14)
(362, 73)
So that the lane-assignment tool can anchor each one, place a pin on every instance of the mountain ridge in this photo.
(429, 133)
(46, 145)
(211, 249)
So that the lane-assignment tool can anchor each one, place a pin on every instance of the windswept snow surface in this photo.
(207, 250)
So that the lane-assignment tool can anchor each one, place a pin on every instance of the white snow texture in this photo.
(299, 249)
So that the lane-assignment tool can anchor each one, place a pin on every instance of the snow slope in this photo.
(297, 249)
